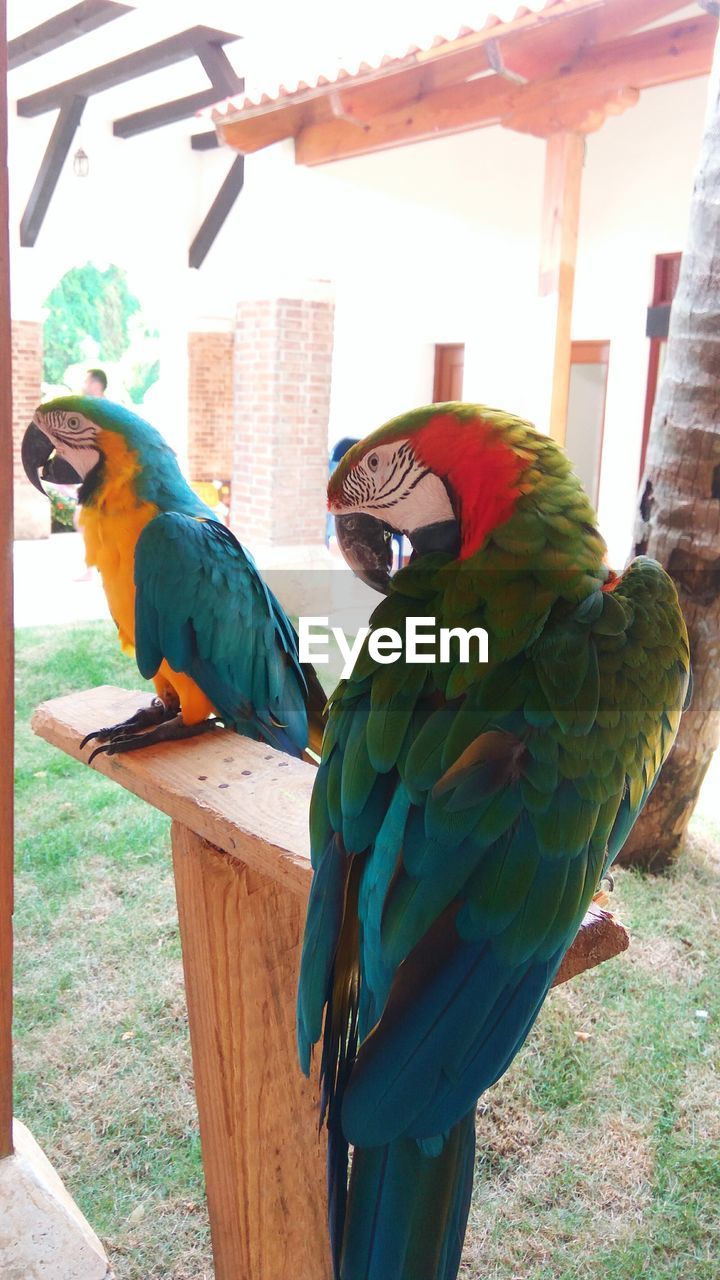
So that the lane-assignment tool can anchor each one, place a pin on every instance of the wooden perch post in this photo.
(242, 876)
(242, 871)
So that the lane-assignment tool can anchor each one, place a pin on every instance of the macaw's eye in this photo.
(72, 422)
(373, 462)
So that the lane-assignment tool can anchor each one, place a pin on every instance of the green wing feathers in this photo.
(477, 807)
(201, 605)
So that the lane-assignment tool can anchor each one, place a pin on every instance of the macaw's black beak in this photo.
(366, 544)
(41, 462)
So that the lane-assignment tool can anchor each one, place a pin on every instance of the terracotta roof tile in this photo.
(257, 97)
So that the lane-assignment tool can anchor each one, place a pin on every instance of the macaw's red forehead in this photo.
(456, 441)
(479, 453)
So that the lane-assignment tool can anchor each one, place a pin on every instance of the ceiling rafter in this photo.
(70, 96)
(217, 213)
(154, 57)
(62, 28)
(610, 73)
(540, 43)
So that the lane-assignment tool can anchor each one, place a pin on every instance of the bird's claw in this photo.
(106, 749)
(143, 719)
(168, 730)
(102, 734)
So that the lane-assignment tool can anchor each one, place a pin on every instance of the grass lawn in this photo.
(598, 1154)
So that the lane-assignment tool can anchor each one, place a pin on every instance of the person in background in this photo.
(95, 383)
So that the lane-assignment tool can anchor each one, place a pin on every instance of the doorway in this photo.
(449, 370)
(667, 274)
(586, 412)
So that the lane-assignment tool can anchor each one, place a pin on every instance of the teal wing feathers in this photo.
(201, 605)
(481, 825)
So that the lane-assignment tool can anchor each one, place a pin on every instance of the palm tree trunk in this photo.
(678, 521)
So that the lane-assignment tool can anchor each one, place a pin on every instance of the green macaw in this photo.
(464, 813)
(185, 596)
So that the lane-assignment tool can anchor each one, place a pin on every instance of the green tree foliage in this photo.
(145, 374)
(87, 302)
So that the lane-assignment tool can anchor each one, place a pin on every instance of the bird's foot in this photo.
(167, 731)
(145, 718)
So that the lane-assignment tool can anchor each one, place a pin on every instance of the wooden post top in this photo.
(245, 798)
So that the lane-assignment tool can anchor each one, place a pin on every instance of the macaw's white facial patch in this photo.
(74, 437)
(392, 484)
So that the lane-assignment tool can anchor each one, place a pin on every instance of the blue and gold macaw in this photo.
(185, 596)
(464, 813)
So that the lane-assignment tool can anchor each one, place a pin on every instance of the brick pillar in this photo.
(210, 405)
(32, 510)
(283, 362)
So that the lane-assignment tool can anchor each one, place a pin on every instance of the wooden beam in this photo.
(242, 874)
(217, 213)
(224, 82)
(449, 63)
(264, 1161)
(7, 716)
(241, 797)
(165, 113)
(62, 28)
(50, 168)
(564, 159)
(165, 53)
(207, 141)
(71, 96)
(537, 45)
(602, 73)
(219, 69)
(662, 55)
(600, 937)
(556, 47)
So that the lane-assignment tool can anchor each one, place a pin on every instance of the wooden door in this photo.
(449, 369)
(667, 274)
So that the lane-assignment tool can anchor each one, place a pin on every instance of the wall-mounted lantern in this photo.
(81, 163)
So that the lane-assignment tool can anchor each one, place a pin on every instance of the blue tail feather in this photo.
(407, 1211)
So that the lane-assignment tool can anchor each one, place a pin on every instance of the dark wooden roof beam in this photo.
(207, 141)
(165, 53)
(218, 212)
(62, 28)
(219, 69)
(52, 162)
(224, 83)
(165, 113)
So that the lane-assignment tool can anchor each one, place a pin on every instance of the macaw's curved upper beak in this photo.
(366, 544)
(41, 462)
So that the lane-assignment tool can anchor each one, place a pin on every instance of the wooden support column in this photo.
(241, 937)
(7, 717)
(242, 873)
(564, 158)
